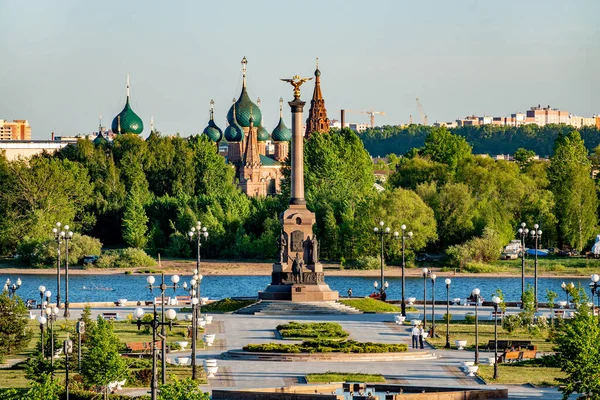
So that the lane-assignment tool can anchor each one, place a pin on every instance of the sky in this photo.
(64, 63)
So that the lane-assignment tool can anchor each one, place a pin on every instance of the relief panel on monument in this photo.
(297, 244)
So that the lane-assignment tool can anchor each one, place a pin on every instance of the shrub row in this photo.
(327, 346)
(312, 330)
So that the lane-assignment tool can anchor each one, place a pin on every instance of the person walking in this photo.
(421, 334)
(414, 333)
(349, 292)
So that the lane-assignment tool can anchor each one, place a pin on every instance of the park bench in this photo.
(510, 356)
(528, 354)
(499, 314)
(110, 315)
(183, 300)
(502, 345)
(137, 347)
(521, 344)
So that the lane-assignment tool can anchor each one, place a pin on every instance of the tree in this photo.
(523, 156)
(135, 221)
(184, 389)
(102, 362)
(578, 353)
(14, 335)
(574, 190)
(444, 147)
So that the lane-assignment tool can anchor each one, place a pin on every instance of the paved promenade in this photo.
(235, 331)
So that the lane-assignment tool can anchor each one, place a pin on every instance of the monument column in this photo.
(297, 178)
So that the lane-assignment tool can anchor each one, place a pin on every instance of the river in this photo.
(133, 287)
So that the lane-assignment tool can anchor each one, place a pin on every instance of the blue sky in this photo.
(64, 62)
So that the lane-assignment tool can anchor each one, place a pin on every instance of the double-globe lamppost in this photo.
(195, 302)
(536, 235)
(433, 277)
(404, 236)
(381, 232)
(163, 335)
(523, 231)
(138, 313)
(60, 235)
(567, 287)
(476, 295)
(425, 273)
(496, 300)
(51, 315)
(448, 281)
(12, 288)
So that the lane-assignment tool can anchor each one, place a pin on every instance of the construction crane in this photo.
(371, 115)
(423, 115)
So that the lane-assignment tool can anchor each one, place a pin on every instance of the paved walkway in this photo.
(235, 331)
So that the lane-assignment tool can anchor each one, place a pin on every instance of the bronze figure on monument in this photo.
(282, 248)
(297, 265)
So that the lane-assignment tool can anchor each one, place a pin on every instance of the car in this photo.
(90, 259)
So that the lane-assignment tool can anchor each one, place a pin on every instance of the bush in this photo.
(484, 249)
(365, 262)
(179, 246)
(478, 268)
(42, 253)
(327, 346)
(447, 317)
(511, 323)
(125, 258)
(312, 330)
(469, 319)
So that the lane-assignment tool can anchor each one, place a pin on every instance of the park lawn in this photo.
(520, 374)
(462, 331)
(553, 265)
(312, 330)
(367, 304)
(226, 306)
(344, 377)
(13, 378)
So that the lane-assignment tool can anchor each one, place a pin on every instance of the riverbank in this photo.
(237, 268)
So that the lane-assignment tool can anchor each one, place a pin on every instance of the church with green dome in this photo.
(257, 166)
(127, 121)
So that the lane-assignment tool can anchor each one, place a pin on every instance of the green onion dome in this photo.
(281, 133)
(263, 134)
(245, 109)
(234, 132)
(100, 139)
(213, 132)
(128, 120)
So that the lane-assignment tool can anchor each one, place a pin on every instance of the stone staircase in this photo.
(281, 307)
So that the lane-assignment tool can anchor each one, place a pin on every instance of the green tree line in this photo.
(485, 139)
(149, 193)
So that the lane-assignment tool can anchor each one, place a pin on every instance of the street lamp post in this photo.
(194, 302)
(57, 237)
(42, 320)
(52, 315)
(154, 324)
(67, 349)
(433, 276)
(409, 235)
(12, 289)
(536, 234)
(163, 287)
(475, 295)
(523, 231)
(80, 328)
(199, 232)
(448, 281)
(42, 290)
(425, 271)
(595, 286)
(496, 300)
(379, 231)
(67, 235)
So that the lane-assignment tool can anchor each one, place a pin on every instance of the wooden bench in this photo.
(158, 300)
(521, 344)
(110, 315)
(148, 302)
(528, 355)
(499, 314)
(184, 300)
(511, 356)
(502, 345)
(134, 347)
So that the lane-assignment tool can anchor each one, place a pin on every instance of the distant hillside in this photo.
(490, 139)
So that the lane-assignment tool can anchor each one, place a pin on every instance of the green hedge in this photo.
(327, 346)
(317, 330)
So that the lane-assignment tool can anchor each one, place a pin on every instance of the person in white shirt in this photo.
(421, 334)
(415, 336)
